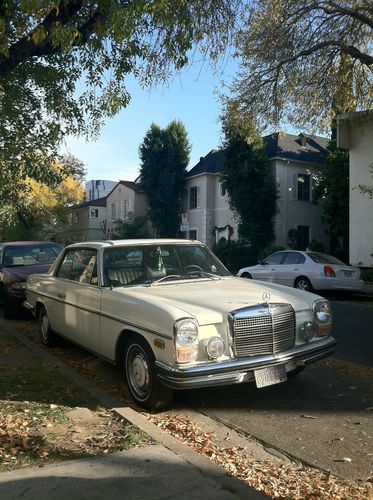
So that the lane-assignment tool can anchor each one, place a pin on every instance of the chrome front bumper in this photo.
(241, 370)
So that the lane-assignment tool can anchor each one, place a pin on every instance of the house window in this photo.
(194, 197)
(304, 184)
(303, 238)
(114, 211)
(222, 189)
(93, 213)
(193, 234)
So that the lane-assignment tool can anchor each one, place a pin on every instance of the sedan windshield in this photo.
(28, 255)
(147, 264)
(323, 258)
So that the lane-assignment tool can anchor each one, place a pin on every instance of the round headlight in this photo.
(307, 330)
(322, 311)
(215, 347)
(186, 332)
(323, 317)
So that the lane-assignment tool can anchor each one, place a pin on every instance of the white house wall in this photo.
(291, 211)
(361, 206)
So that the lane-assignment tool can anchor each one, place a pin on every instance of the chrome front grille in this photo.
(262, 329)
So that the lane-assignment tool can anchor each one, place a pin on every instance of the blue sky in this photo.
(190, 97)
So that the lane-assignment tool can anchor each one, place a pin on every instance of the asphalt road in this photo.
(353, 328)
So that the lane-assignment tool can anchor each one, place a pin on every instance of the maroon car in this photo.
(18, 259)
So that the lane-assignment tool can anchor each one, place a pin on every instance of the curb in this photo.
(207, 468)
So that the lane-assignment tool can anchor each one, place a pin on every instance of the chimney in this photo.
(303, 140)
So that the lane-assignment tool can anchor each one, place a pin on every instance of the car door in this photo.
(267, 270)
(290, 268)
(78, 298)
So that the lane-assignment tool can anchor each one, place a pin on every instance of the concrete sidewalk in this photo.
(166, 470)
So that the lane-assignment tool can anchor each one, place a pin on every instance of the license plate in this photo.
(348, 274)
(269, 376)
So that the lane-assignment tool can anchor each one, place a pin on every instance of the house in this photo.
(296, 161)
(98, 188)
(87, 222)
(125, 199)
(355, 133)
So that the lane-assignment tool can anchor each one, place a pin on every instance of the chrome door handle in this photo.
(61, 295)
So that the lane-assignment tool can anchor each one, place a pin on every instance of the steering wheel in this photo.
(192, 267)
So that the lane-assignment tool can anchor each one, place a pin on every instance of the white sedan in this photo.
(173, 317)
(305, 270)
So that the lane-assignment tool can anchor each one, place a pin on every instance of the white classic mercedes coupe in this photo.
(174, 317)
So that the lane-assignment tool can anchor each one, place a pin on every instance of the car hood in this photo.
(20, 273)
(208, 301)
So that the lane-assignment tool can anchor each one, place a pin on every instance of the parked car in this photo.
(173, 316)
(18, 259)
(308, 271)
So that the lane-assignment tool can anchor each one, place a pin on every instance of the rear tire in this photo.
(303, 283)
(9, 307)
(46, 334)
(142, 383)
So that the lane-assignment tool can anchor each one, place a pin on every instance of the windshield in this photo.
(147, 264)
(323, 258)
(28, 255)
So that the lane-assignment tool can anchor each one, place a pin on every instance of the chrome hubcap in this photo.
(302, 285)
(138, 372)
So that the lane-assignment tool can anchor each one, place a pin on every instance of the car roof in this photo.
(27, 243)
(149, 241)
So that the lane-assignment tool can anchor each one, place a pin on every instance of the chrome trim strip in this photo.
(103, 315)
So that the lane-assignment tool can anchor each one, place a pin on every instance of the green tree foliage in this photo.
(133, 227)
(164, 156)
(63, 67)
(302, 61)
(250, 184)
(333, 187)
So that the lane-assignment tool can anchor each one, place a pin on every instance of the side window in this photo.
(194, 197)
(294, 258)
(79, 265)
(276, 258)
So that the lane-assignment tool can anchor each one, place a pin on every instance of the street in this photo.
(323, 417)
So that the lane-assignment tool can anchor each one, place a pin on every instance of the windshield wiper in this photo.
(168, 277)
(203, 274)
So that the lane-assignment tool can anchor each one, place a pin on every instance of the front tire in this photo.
(46, 334)
(145, 389)
(10, 308)
(246, 276)
(303, 283)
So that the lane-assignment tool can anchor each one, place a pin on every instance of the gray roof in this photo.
(98, 202)
(286, 146)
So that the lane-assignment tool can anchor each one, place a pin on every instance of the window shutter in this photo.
(198, 204)
(295, 187)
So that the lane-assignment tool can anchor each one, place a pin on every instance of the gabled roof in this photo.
(135, 186)
(286, 146)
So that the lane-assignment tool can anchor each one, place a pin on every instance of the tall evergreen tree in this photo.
(334, 188)
(164, 156)
(250, 184)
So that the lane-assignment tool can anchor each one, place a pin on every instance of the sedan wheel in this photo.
(145, 389)
(303, 283)
(46, 334)
(247, 276)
